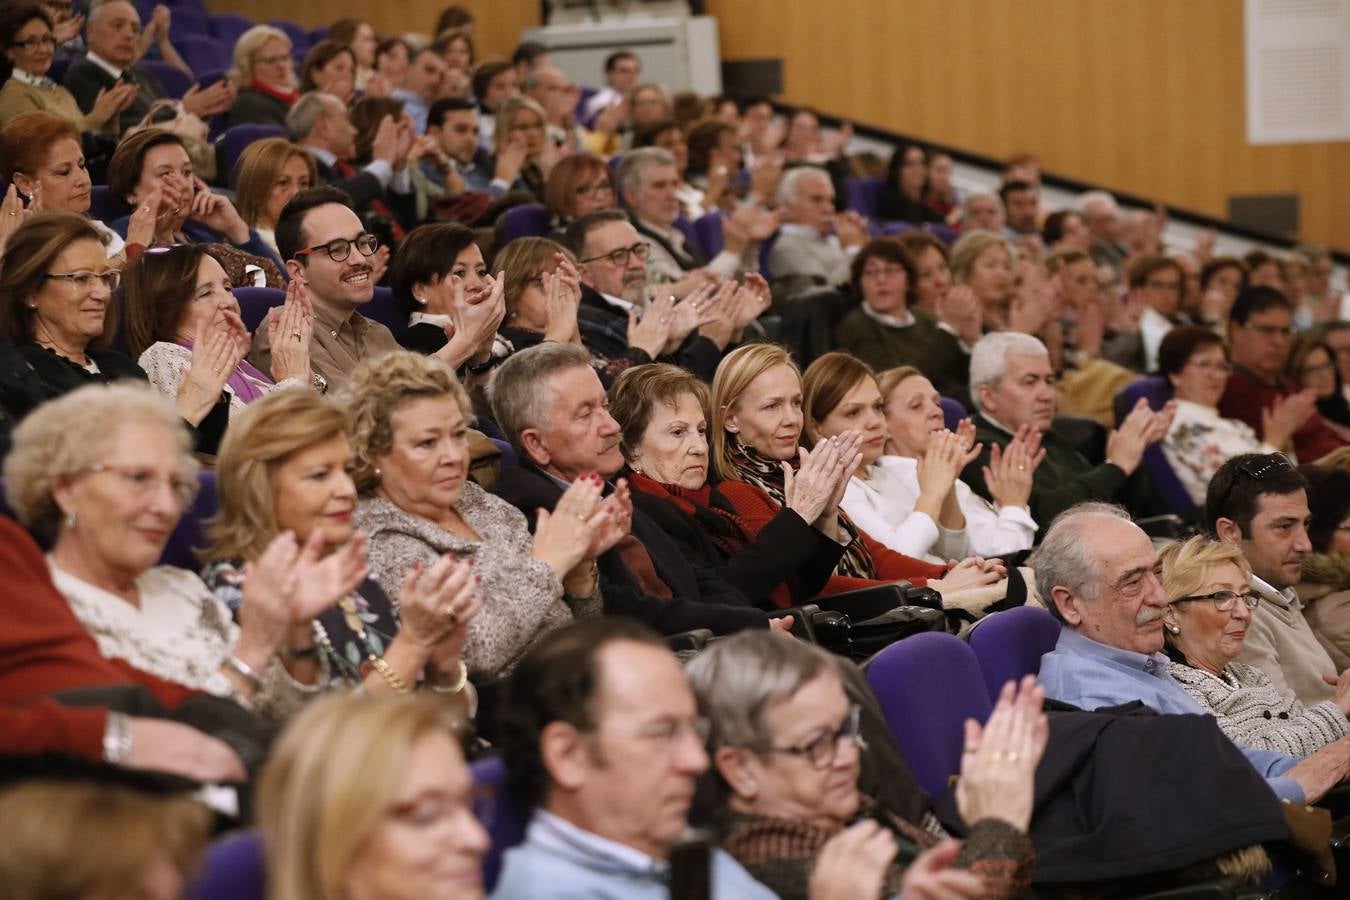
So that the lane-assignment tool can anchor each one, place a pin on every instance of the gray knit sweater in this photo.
(1251, 711)
(523, 598)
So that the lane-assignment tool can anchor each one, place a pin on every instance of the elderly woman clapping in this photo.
(409, 422)
(1211, 604)
(785, 744)
(283, 467)
(107, 471)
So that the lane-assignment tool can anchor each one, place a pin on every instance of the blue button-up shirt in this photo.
(1090, 674)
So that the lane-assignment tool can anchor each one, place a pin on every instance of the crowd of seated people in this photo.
(376, 409)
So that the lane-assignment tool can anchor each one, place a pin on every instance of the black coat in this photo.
(701, 598)
(84, 80)
(257, 108)
(604, 331)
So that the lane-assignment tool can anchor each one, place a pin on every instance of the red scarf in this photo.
(714, 514)
(287, 97)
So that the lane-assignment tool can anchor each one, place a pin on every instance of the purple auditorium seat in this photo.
(953, 411)
(235, 141)
(202, 52)
(686, 228)
(191, 530)
(57, 71)
(228, 27)
(299, 36)
(254, 302)
(945, 233)
(188, 20)
(103, 205)
(583, 98)
(388, 313)
(176, 82)
(928, 685)
(1157, 390)
(1009, 644)
(318, 34)
(886, 229)
(863, 195)
(525, 220)
(232, 870)
(503, 817)
(708, 232)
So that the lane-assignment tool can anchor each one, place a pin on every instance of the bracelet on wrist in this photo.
(245, 671)
(117, 738)
(387, 672)
(458, 686)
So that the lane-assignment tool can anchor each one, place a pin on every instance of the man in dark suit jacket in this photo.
(113, 31)
(319, 123)
(551, 406)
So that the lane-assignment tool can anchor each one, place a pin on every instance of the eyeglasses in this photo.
(273, 60)
(1170, 286)
(1224, 600)
(1318, 368)
(883, 271)
(29, 43)
(1256, 469)
(338, 250)
(1271, 330)
(590, 190)
(1206, 366)
(143, 482)
(822, 751)
(87, 281)
(620, 257)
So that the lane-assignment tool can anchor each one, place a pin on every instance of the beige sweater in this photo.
(1281, 644)
(1325, 590)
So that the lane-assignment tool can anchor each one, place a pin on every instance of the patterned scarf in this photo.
(713, 512)
(767, 475)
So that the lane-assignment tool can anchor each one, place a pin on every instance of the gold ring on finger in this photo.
(1011, 757)
(451, 616)
(997, 756)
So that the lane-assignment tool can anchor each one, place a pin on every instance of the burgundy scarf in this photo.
(709, 508)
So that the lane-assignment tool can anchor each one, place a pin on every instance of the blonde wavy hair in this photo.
(259, 440)
(1186, 564)
(734, 374)
(381, 386)
(971, 247)
(328, 782)
(249, 43)
(68, 435)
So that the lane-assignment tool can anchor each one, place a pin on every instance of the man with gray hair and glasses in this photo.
(1098, 573)
(816, 245)
(1013, 387)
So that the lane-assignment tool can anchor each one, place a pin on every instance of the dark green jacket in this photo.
(929, 349)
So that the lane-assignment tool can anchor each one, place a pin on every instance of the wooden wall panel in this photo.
(1144, 95)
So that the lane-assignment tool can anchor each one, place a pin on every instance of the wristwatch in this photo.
(117, 738)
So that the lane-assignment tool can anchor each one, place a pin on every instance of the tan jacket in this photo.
(1325, 589)
(1282, 644)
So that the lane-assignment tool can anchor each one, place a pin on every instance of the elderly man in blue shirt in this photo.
(1098, 573)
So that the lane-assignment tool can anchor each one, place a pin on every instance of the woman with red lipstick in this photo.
(283, 468)
(106, 471)
(409, 423)
(906, 493)
(662, 410)
(369, 799)
(1211, 599)
(757, 428)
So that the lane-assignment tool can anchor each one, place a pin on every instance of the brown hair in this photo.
(450, 36)
(64, 847)
(26, 140)
(891, 250)
(319, 56)
(702, 139)
(1143, 269)
(29, 255)
(523, 260)
(824, 385)
(260, 438)
(1302, 349)
(639, 388)
(569, 172)
(1181, 343)
(1217, 264)
(344, 30)
(366, 115)
(124, 169)
(159, 287)
(258, 169)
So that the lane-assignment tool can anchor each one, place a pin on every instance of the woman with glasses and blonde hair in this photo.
(106, 472)
(268, 174)
(786, 751)
(519, 136)
(264, 76)
(580, 183)
(370, 797)
(1211, 603)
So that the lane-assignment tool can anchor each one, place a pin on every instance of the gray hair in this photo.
(738, 678)
(981, 195)
(635, 164)
(305, 114)
(989, 357)
(518, 402)
(95, 12)
(792, 179)
(1064, 558)
(1090, 198)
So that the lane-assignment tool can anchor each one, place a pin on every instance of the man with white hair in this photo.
(982, 211)
(816, 245)
(1098, 573)
(1101, 214)
(1013, 387)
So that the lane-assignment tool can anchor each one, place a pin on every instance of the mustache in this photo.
(1149, 614)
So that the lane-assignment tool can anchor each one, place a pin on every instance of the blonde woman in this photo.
(269, 173)
(519, 146)
(264, 75)
(370, 797)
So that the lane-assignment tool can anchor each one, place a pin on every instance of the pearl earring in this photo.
(70, 519)
(1174, 629)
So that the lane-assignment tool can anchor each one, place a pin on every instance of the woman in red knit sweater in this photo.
(756, 432)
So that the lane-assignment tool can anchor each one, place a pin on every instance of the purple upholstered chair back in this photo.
(384, 310)
(1010, 644)
(233, 870)
(1157, 390)
(928, 685)
(102, 204)
(525, 220)
(686, 228)
(503, 817)
(191, 530)
(202, 52)
(864, 194)
(953, 411)
(708, 230)
(254, 302)
(228, 27)
(235, 141)
(176, 82)
(298, 35)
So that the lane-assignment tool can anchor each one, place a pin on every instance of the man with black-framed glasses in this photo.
(1260, 503)
(1260, 333)
(326, 247)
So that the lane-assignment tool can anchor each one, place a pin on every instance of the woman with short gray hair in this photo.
(786, 751)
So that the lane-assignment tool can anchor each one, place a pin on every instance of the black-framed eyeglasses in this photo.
(1224, 600)
(1272, 330)
(822, 751)
(338, 250)
(87, 281)
(619, 257)
(1256, 469)
(45, 40)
